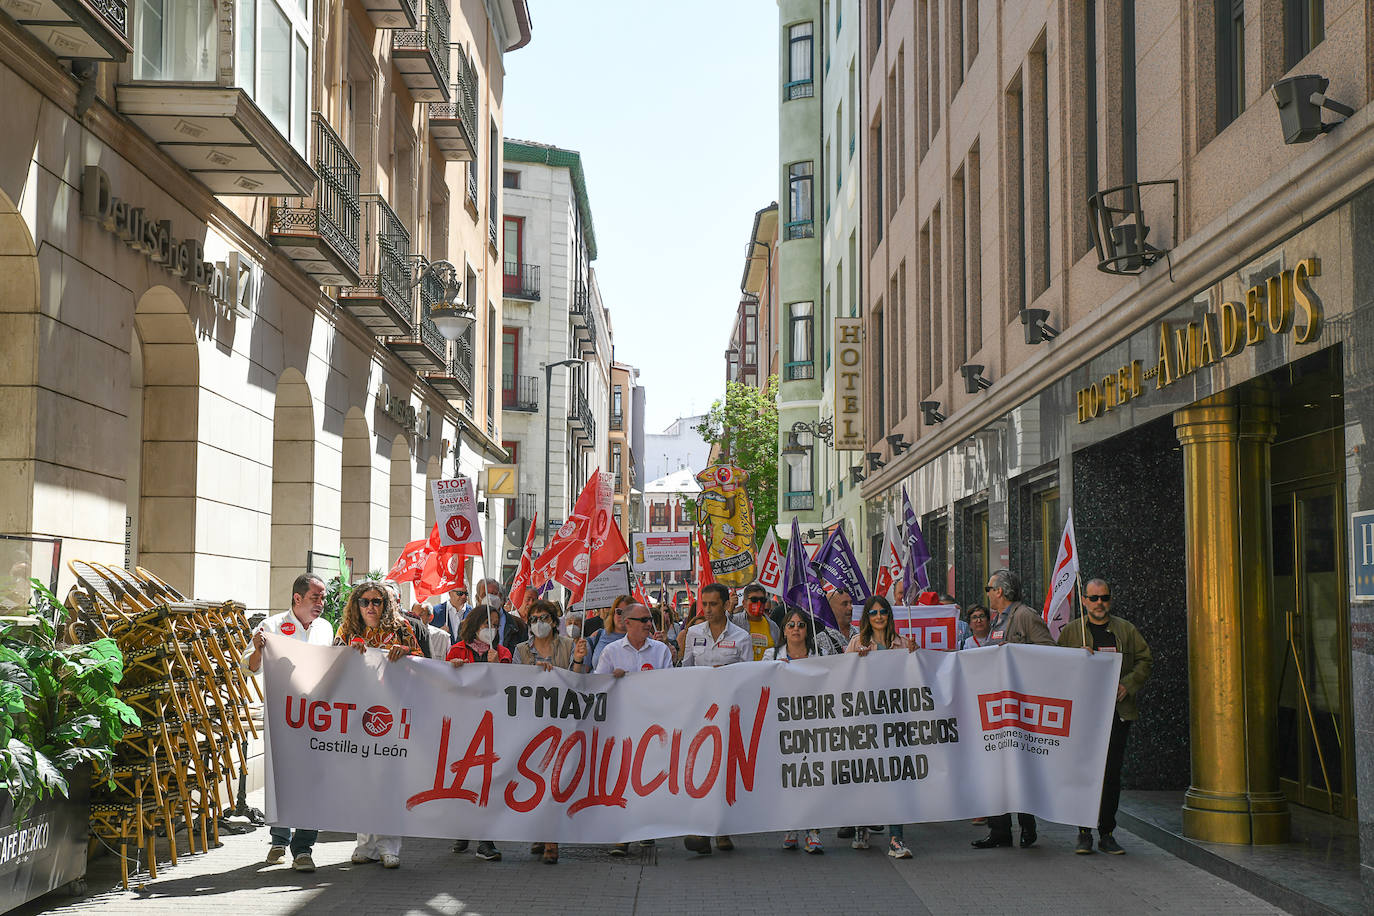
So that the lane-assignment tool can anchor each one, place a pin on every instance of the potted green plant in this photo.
(60, 715)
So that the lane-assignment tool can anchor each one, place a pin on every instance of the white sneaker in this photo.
(303, 862)
(276, 854)
(789, 840)
(860, 840)
(361, 858)
(390, 861)
(897, 849)
(813, 842)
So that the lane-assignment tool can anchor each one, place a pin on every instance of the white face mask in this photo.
(575, 631)
(541, 628)
(486, 635)
(493, 602)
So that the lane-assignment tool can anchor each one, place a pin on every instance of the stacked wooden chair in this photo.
(182, 675)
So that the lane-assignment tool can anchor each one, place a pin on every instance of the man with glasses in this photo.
(764, 633)
(449, 614)
(1102, 631)
(302, 623)
(712, 643)
(1012, 622)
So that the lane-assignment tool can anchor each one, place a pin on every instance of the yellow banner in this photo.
(725, 515)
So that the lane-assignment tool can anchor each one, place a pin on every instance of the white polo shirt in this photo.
(620, 654)
(320, 632)
(733, 645)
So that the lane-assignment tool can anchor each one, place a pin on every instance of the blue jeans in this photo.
(300, 843)
(895, 830)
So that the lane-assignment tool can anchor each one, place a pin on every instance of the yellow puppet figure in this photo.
(726, 516)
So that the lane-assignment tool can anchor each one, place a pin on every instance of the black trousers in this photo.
(1111, 781)
(999, 825)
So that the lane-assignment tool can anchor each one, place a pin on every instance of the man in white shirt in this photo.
(638, 651)
(712, 643)
(304, 624)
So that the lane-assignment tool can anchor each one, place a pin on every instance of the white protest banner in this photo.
(770, 566)
(933, 626)
(666, 551)
(417, 748)
(601, 591)
(455, 511)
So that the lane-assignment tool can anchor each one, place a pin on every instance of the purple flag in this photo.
(835, 563)
(800, 589)
(917, 553)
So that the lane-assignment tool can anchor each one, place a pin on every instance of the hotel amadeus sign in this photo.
(849, 385)
(1281, 304)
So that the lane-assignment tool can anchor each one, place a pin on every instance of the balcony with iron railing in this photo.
(520, 281)
(470, 201)
(391, 14)
(320, 232)
(617, 421)
(493, 205)
(453, 125)
(580, 417)
(519, 392)
(454, 380)
(421, 54)
(424, 348)
(76, 29)
(800, 501)
(381, 300)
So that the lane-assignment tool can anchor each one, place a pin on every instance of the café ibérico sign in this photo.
(511, 752)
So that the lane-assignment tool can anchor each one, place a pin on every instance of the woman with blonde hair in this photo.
(372, 620)
(612, 631)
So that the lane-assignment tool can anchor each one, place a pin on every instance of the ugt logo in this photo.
(1042, 715)
(323, 716)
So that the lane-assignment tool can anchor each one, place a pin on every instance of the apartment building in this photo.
(752, 355)
(556, 335)
(1115, 259)
(625, 444)
(225, 226)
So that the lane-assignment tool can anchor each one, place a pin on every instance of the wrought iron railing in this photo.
(521, 281)
(591, 323)
(800, 229)
(432, 35)
(472, 185)
(115, 12)
(519, 392)
(431, 293)
(492, 205)
(580, 297)
(462, 365)
(388, 246)
(334, 213)
(617, 421)
(465, 95)
(801, 501)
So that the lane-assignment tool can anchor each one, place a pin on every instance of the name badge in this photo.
(997, 634)
(1107, 649)
(727, 645)
(288, 628)
(699, 641)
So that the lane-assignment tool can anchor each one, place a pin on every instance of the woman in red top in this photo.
(372, 620)
(477, 642)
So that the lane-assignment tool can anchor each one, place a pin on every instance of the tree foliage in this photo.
(745, 426)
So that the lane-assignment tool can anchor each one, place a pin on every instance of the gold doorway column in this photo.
(1232, 691)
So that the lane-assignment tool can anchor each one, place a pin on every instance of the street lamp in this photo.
(548, 430)
(452, 317)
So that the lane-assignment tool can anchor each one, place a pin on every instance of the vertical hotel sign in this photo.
(849, 385)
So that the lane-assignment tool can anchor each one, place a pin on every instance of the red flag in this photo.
(638, 593)
(705, 575)
(443, 568)
(522, 575)
(588, 542)
(568, 537)
(411, 563)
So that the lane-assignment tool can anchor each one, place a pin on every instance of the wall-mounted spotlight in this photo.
(973, 378)
(875, 460)
(1300, 100)
(898, 443)
(1035, 327)
(856, 476)
(930, 413)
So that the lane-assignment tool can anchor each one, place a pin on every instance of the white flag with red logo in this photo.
(1058, 602)
(455, 512)
(770, 565)
(889, 560)
(932, 626)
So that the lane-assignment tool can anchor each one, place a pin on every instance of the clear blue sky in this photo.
(673, 107)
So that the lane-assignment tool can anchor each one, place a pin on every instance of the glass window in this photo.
(617, 399)
(273, 63)
(510, 178)
(1303, 29)
(511, 244)
(800, 352)
(176, 40)
(799, 212)
(799, 473)
(799, 84)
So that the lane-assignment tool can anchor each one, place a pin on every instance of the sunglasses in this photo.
(988, 588)
(758, 600)
(461, 594)
(876, 611)
(619, 613)
(796, 625)
(641, 619)
(371, 602)
(1106, 597)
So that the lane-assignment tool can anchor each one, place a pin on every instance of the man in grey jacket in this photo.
(1012, 622)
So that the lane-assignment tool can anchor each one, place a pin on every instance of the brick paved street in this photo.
(945, 876)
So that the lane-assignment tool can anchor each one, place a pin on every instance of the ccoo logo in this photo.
(1042, 715)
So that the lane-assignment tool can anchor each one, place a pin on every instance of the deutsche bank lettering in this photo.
(418, 748)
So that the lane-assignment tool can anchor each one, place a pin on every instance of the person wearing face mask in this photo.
(477, 643)
(548, 650)
(511, 631)
(763, 631)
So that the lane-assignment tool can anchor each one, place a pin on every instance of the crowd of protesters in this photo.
(629, 637)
